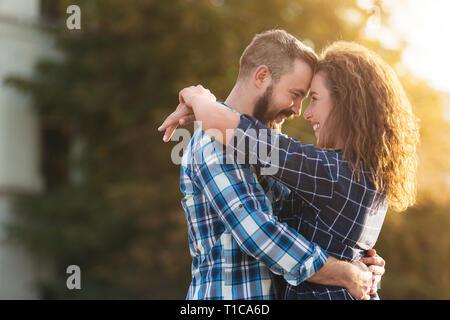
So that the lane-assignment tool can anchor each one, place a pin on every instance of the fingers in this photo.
(169, 122)
(373, 288)
(371, 252)
(173, 119)
(366, 290)
(183, 113)
(180, 98)
(376, 266)
(169, 132)
(187, 119)
(367, 285)
(366, 294)
(375, 284)
(377, 270)
(363, 285)
(375, 260)
(377, 279)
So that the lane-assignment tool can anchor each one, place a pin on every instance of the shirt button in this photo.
(241, 205)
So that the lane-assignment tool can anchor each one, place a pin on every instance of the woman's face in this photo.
(320, 106)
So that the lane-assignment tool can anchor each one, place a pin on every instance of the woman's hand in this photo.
(184, 114)
(189, 94)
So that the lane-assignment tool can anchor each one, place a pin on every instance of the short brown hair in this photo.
(276, 49)
(374, 117)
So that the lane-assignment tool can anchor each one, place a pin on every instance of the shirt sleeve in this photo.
(308, 171)
(240, 201)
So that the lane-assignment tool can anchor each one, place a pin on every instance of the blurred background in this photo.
(86, 180)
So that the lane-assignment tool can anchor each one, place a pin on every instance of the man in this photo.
(236, 241)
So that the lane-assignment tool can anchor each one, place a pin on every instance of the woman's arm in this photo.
(215, 119)
(307, 171)
(197, 102)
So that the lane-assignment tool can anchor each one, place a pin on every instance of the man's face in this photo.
(283, 100)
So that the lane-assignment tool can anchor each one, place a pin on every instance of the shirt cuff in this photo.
(309, 267)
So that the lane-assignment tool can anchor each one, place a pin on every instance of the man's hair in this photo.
(277, 50)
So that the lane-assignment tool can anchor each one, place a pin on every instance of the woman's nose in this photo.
(307, 113)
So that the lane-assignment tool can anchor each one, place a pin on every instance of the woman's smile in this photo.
(316, 126)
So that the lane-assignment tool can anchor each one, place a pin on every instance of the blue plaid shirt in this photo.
(328, 205)
(236, 242)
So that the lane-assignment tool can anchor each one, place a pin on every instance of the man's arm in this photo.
(355, 277)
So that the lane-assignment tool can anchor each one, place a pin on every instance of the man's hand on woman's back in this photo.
(360, 278)
(376, 265)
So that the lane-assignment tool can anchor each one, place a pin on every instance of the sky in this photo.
(425, 25)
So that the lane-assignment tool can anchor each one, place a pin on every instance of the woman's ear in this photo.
(261, 76)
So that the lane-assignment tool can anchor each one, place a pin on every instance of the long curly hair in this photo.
(374, 118)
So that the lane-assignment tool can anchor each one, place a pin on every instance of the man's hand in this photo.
(376, 265)
(184, 114)
(361, 281)
(355, 277)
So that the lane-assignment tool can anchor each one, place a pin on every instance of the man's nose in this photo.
(297, 108)
(307, 113)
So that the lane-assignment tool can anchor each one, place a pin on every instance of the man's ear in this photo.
(261, 76)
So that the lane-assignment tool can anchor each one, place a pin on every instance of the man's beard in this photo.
(261, 111)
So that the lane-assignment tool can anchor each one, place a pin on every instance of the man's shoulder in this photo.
(204, 150)
(199, 144)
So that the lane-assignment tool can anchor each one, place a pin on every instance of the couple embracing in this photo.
(307, 229)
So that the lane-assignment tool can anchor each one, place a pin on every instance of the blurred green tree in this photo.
(111, 203)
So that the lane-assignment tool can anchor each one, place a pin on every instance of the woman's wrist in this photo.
(198, 100)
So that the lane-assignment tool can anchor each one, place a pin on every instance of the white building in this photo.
(22, 42)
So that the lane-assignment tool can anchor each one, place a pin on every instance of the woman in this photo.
(366, 156)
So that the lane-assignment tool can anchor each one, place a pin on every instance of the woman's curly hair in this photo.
(374, 118)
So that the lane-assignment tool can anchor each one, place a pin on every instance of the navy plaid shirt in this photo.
(236, 242)
(328, 205)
